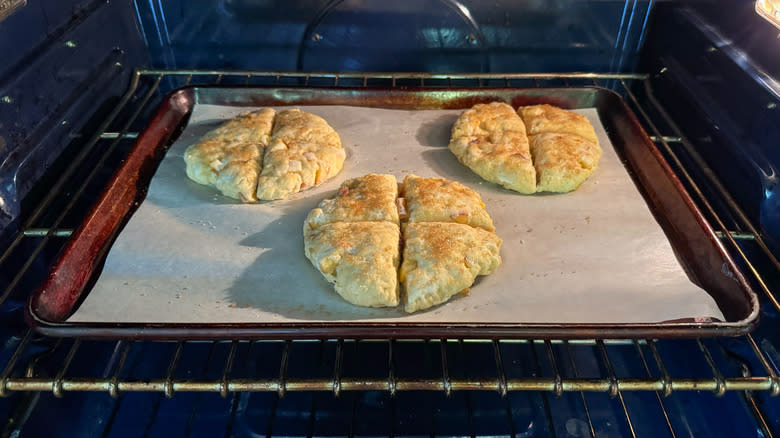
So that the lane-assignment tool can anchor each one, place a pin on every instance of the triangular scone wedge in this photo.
(230, 156)
(563, 161)
(540, 119)
(369, 198)
(443, 259)
(360, 258)
(490, 139)
(303, 152)
(443, 200)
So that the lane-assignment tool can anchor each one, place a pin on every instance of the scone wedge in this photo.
(563, 161)
(303, 151)
(359, 258)
(369, 198)
(545, 118)
(491, 140)
(443, 259)
(230, 156)
(443, 200)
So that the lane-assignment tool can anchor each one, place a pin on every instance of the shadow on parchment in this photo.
(436, 133)
(282, 280)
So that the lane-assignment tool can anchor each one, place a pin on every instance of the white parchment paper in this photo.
(188, 254)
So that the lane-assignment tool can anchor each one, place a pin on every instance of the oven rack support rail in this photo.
(647, 350)
(147, 86)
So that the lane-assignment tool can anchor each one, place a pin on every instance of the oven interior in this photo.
(81, 79)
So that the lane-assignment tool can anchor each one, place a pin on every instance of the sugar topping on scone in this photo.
(443, 200)
(370, 198)
(441, 260)
(545, 118)
(359, 258)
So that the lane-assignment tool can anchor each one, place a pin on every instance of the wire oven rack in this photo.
(744, 366)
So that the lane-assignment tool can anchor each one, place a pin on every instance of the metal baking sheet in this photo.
(189, 257)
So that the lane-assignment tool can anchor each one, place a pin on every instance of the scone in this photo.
(540, 119)
(354, 239)
(491, 140)
(370, 198)
(443, 259)
(359, 258)
(303, 151)
(230, 156)
(442, 200)
(563, 161)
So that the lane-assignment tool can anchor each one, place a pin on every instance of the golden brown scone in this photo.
(443, 259)
(354, 240)
(563, 161)
(230, 156)
(490, 139)
(360, 258)
(540, 119)
(303, 152)
(369, 198)
(442, 200)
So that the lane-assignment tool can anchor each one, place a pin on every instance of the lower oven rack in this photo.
(741, 365)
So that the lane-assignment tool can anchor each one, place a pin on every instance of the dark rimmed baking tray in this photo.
(700, 251)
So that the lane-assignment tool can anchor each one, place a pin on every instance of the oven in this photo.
(81, 81)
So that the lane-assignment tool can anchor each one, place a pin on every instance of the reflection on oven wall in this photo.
(57, 81)
(717, 80)
(407, 35)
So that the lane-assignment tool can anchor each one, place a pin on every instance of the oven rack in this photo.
(30, 363)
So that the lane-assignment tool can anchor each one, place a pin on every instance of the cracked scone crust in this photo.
(443, 200)
(303, 151)
(230, 156)
(491, 140)
(540, 119)
(359, 258)
(443, 259)
(563, 161)
(364, 199)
